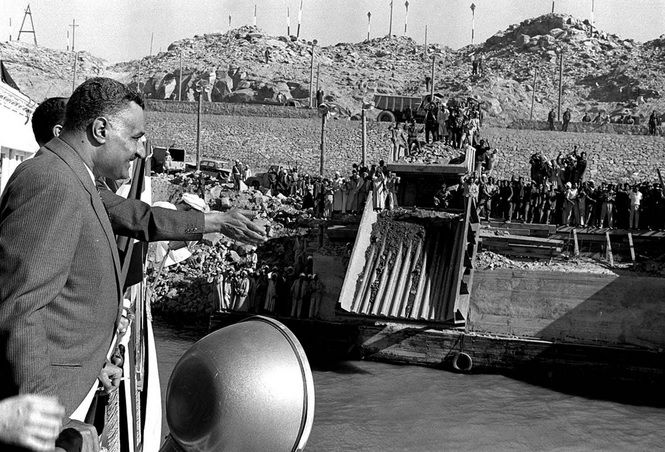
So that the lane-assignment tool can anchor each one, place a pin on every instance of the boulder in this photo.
(556, 32)
(522, 40)
(242, 95)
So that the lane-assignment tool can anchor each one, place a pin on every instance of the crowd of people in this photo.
(558, 192)
(344, 194)
(602, 117)
(455, 123)
(294, 291)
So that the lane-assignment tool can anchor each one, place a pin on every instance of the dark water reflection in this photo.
(368, 406)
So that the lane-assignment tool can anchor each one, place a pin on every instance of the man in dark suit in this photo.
(59, 266)
(136, 219)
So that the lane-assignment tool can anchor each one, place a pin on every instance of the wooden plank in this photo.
(533, 226)
(520, 239)
(632, 248)
(608, 250)
(576, 249)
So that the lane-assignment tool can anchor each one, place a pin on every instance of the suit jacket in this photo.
(136, 219)
(59, 278)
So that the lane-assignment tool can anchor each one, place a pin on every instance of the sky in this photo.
(120, 30)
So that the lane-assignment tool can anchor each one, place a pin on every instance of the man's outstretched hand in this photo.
(31, 421)
(236, 226)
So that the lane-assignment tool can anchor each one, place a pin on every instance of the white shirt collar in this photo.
(92, 176)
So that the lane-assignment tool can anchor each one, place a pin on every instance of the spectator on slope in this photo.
(428, 83)
(431, 123)
(586, 117)
(474, 65)
(442, 119)
(635, 202)
(551, 117)
(481, 64)
(413, 140)
(566, 120)
(652, 123)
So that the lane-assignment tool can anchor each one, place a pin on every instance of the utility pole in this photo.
(592, 15)
(552, 6)
(198, 128)
(76, 57)
(473, 21)
(74, 26)
(425, 55)
(406, 16)
(254, 23)
(229, 22)
(390, 29)
(318, 74)
(299, 19)
(288, 21)
(560, 83)
(32, 24)
(311, 76)
(533, 93)
(180, 78)
(363, 118)
(152, 38)
(323, 140)
(369, 22)
(431, 91)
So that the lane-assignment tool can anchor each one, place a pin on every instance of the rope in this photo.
(113, 422)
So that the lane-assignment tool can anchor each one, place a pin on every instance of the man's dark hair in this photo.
(47, 115)
(96, 97)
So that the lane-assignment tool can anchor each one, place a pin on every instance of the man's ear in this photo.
(99, 129)
(56, 130)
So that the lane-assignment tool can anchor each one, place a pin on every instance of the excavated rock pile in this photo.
(187, 288)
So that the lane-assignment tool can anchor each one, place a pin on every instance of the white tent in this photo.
(17, 142)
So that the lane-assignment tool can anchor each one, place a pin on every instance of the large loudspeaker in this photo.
(245, 387)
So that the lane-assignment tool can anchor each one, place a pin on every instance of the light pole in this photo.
(406, 16)
(369, 23)
(311, 76)
(560, 52)
(473, 21)
(592, 15)
(390, 29)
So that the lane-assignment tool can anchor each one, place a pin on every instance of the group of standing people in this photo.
(324, 196)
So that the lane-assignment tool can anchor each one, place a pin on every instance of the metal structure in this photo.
(73, 26)
(27, 13)
(473, 22)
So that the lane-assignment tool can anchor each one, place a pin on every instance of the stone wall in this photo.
(229, 108)
(262, 141)
(587, 127)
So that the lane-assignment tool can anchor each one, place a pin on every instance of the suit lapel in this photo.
(74, 161)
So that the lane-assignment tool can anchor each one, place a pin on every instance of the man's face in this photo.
(124, 143)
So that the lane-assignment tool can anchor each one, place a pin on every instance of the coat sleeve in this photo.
(138, 220)
(40, 225)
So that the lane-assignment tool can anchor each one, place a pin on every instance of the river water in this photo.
(369, 406)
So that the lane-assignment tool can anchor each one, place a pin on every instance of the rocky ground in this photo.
(601, 71)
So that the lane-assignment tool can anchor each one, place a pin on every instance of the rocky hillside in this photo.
(41, 72)
(601, 71)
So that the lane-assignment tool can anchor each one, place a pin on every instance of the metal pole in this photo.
(552, 6)
(425, 41)
(473, 26)
(533, 94)
(364, 136)
(592, 15)
(198, 131)
(254, 15)
(560, 84)
(318, 74)
(288, 21)
(431, 93)
(152, 38)
(76, 57)
(180, 78)
(229, 22)
(323, 142)
(390, 29)
(311, 78)
(299, 19)
(369, 23)
(406, 16)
